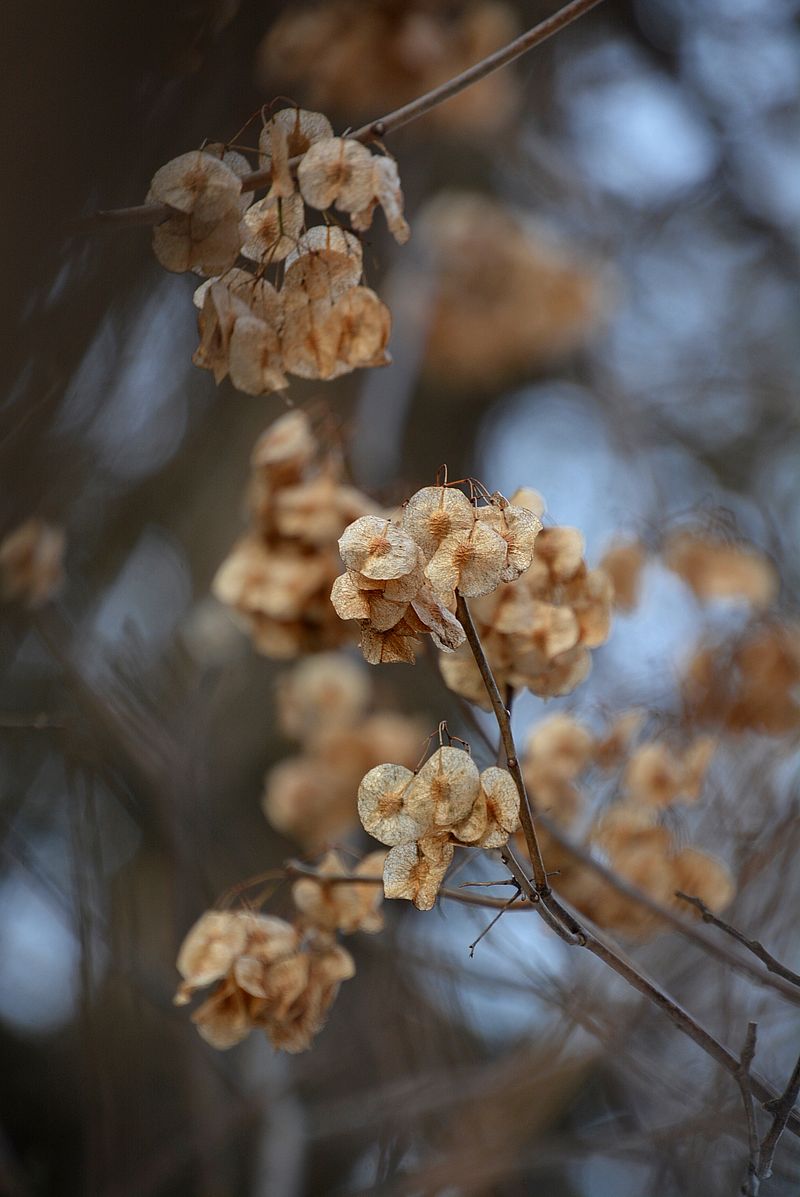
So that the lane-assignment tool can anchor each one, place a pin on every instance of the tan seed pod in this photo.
(303, 129)
(337, 170)
(235, 162)
(383, 187)
(696, 761)
(502, 802)
(653, 775)
(561, 747)
(530, 499)
(445, 789)
(470, 830)
(209, 949)
(714, 570)
(387, 648)
(220, 311)
(325, 264)
(254, 357)
(378, 548)
(286, 446)
(462, 676)
(519, 529)
(328, 690)
(559, 677)
(183, 243)
(345, 907)
(224, 1020)
(561, 549)
(471, 561)
(365, 324)
(270, 229)
(610, 749)
(197, 184)
(445, 629)
(383, 805)
(31, 563)
(410, 873)
(702, 876)
(433, 513)
(623, 562)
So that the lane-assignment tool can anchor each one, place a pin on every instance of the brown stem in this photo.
(512, 762)
(751, 1183)
(155, 213)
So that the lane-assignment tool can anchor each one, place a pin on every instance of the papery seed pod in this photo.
(197, 184)
(502, 803)
(185, 242)
(561, 549)
(410, 873)
(271, 229)
(337, 170)
(346, 906)
(623, 562)
(433, 513)
(445, 789)
(303, 129)
(209, 949)
(383, 806)
(471, 561)
(378, 548)
(560, 746)
(653, 775)
(224, 1019)
(714, 570)
(387, 648)
(519, 529)
(254, 357)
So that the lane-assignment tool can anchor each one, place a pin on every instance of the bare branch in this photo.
(150, 214)
(782, 1110)
(751, 1182)
(770, 962)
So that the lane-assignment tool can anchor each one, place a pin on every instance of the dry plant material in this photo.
(31, 563)
(402, 575)
(714, 570)
(344, 906)
(538, 629)
(270, 976)
(324, 703)
(351, 56)
(507, 298)
(623, 562)
(315, 318)
(749, 684)
(422, 816)
(278, 576)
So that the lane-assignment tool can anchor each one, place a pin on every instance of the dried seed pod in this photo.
(254, 357)
(378, 549)
(328, 691)
(185, 242)
(337, 170)
(209, 949)
(446, 631)
(364, 326)
(31, 563)
(345, 907)
(714, 570)
(303, 129)
(623, 562)
(502, 806)
(519, 529)
(197, 184)
(411, 872)
(653, 775)
(561, 550)
(387, 648)
(325, 264)
(445, 789)
(471, 561)
(235, 162)
(271, 228)
(560, 746)
(433, 513)
(382, 188)
(383, 809)
(285, 448)
(224, 1019)
(702, 876)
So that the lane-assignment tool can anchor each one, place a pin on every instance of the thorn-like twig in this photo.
(767, 959)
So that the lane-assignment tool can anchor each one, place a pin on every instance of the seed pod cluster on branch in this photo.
(402, 574)
(269, 976)
(538, 631)
(277, 578)
(325, 703)
(423, 815)
(315, 318)
(562, 756)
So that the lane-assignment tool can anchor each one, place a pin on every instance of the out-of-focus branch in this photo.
(751, 1183)
(782, 1110)
(689, 930)
(767, 959)
(149, 214)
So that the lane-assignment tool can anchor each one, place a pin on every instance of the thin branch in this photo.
(501, 714)
(149, 214)
(751, 1182)
(690, 930)
(782, 1110)
(507, 906)
(767, 959)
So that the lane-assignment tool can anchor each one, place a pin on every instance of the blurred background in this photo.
(599, 300)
